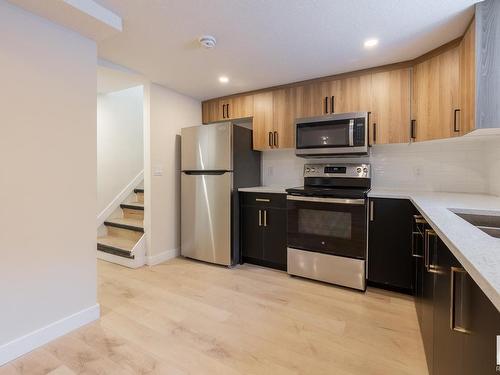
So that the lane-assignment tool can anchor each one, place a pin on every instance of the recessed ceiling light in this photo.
(223, 79)
(370, 43)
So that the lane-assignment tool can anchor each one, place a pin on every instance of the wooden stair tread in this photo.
(126, 223)
(122, 243)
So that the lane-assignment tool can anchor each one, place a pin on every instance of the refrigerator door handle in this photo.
(201, 173)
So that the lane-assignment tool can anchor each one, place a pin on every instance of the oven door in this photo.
(327, 225)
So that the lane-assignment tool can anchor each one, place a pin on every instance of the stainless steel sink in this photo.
(489, 224)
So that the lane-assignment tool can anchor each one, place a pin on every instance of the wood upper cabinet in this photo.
(273, 119)
(240, 107)
(435, 97)
(467, 51)
(284, 115)
(353, 94)
(390, 107)
(210, 111)
(263, 121)
(227, 109)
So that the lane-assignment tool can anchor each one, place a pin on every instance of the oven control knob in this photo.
(359, 170)
(307, 169)
(313, 169)
(365, 170)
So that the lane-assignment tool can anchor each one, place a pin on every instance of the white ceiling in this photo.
(262, 43)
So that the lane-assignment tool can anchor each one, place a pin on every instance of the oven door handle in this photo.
(325, 200)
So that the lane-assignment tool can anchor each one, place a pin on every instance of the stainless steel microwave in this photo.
(332, 135)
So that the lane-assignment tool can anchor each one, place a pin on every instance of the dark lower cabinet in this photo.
(275, 237)
(425, 282)
(390, 261)
(263, 229)
(448, 342)
(251, 236)
(483, 324)
(458, 322)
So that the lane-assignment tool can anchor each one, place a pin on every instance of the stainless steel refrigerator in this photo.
(216, 160)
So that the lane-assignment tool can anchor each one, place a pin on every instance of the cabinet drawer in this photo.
(276, 200)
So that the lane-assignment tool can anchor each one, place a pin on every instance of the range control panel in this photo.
(337, 170)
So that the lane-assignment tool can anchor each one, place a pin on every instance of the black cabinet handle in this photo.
(374, 132)
(227, 110)
(332, 106)
(223, 111)
(455, 129)
(326, 104)
(412, 129)
(275, 139)
(270, 139)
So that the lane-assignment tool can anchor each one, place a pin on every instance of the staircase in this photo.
(121, 238)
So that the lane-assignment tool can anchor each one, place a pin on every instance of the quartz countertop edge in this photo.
(478, 252)
(265, 189)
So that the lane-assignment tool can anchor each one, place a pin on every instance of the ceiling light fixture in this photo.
(223, 79)
(370, 43)
(207, 41)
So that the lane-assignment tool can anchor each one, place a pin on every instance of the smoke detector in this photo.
(207, 41)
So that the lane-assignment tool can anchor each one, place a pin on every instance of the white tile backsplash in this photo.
(468, 165)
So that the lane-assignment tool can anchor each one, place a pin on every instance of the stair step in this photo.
(136, 225)
(138, 190)
(115, 251)
(133, 206)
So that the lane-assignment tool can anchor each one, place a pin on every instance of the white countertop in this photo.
(478, 252)
(265, 189)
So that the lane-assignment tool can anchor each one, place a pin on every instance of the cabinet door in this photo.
(484, 325)
(263, 126)
(284, 117)
(308, 101)
(211, 111)
(390, 107)
(435, 96)
(354, 94)
(251, 232)
(390, 262)
(468, 80)
(275, 237)
(240, 107)
(448, 343)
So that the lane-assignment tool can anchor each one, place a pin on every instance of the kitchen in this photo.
(283, 187)
(376, 206)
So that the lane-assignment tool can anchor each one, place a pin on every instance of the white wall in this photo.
(464, 165)
(47, 180)
(166, 113)
(120, 142)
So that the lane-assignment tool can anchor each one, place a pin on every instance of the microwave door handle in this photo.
(351, 132)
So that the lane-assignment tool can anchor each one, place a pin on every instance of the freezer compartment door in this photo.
(206, 216)
(206, 147)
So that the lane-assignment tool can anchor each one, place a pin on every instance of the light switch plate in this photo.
(158, 170)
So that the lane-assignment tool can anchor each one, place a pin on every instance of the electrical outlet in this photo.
(270, 171)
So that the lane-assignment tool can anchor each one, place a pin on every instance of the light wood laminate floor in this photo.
(186, 317)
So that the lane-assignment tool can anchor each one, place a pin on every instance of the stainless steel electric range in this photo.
(328, 224)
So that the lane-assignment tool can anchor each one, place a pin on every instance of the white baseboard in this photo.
(42, 336)
(115, 203)
(152, 260)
